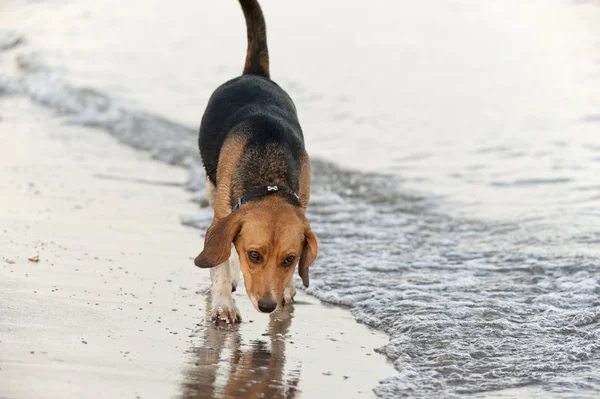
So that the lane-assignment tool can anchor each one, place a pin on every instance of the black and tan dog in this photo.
(258, 183)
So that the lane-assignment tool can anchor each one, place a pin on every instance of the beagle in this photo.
(258, 184)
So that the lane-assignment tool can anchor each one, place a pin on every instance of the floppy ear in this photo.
(309, 254)
(217, 244)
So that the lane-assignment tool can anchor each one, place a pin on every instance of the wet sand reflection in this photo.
(223, 365)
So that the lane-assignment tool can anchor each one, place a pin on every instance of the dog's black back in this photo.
(255, 107)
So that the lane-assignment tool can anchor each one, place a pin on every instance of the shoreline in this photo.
(114, 305)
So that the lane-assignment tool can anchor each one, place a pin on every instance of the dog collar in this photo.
(259, 192)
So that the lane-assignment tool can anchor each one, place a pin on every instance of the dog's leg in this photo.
(234, 268)
(289, 292)
(224, 277)
(223, 306)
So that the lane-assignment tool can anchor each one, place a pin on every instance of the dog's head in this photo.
(271, 236)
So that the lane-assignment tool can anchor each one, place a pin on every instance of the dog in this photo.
(258, 184)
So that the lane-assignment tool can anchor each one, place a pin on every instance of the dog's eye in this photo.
(255, 257)
(289, 260)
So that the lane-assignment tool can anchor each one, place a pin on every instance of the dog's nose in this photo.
(266, 305)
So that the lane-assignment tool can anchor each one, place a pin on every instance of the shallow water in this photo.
(473, 238)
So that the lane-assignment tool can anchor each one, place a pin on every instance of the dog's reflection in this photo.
(224, 366)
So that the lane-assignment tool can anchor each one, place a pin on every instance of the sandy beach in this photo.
(114, 306)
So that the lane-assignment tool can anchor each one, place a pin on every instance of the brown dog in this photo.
(258, 183)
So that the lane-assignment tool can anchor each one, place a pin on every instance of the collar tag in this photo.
(237, 205)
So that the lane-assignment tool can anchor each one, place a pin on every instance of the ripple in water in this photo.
(469, 306)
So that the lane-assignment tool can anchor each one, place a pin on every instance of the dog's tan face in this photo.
(271, 236)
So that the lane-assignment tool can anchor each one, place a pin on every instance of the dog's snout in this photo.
(266, 305)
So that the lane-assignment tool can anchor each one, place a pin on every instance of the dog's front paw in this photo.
(224, 310)
(288, 294)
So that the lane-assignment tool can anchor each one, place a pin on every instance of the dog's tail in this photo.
(257, 57)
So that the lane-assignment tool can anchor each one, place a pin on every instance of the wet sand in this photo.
(115, 308)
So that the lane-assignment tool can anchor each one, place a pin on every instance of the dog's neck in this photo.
(264, 191)
(263, 166)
